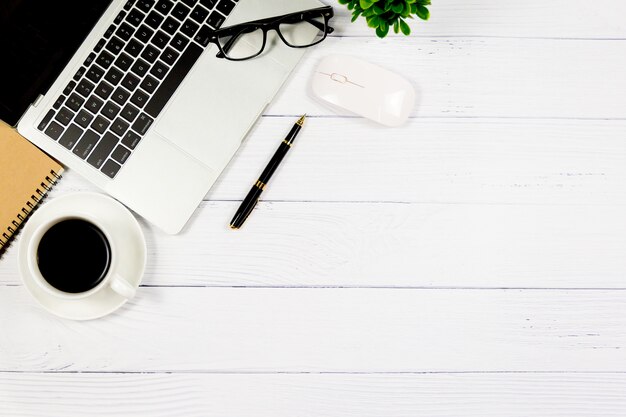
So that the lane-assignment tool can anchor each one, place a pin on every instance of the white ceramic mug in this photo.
(112, 279)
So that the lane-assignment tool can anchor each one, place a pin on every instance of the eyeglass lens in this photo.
(250, 41)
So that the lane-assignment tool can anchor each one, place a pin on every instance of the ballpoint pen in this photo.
(252, 198)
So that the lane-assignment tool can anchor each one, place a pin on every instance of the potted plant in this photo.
(382, 15)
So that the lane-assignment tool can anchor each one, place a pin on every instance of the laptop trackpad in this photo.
(217, 104)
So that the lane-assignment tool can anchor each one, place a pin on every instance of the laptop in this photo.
(126, 94)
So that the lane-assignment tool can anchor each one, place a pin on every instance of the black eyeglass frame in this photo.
(273, 23)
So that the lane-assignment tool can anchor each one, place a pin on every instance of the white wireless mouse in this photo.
(350, 84)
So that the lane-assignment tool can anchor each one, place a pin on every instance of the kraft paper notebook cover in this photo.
(26, 174)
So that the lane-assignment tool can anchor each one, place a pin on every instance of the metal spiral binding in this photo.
(36, 198)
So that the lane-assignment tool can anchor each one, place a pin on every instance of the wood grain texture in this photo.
(389, 245)
(329, 395)
(330, 330)
(426, 161)
(507, 18)
(483, 77)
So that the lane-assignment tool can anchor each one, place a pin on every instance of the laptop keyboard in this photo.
(130, 76)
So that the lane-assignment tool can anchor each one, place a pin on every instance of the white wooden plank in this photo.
(330, 395)
(433, 160)
(484, 77)
(510, 18)
(336, 330)
(389, 245)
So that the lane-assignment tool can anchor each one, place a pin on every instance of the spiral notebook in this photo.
(26, 175)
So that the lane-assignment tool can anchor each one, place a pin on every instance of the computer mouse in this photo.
(347, 83)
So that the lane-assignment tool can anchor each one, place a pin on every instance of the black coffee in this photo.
(74, 256)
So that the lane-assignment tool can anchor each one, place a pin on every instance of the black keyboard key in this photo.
(169, 56)
(120, 96)
(164, 6)
(203, 36)
(149, 84)
(95, 73)
(104, 90)
(139, 98)
(154, 20)
(216, 20)
(90, 59)
(94, 104)
(119, 18)
(181, 11)
(115, 45)
(105, 59)
(140, 68)
(161, 39)
(103, 150)
(128, 4)
(86, 144)
(83, 118)
(173, 80)
(134, 47)
(142, 124)
(150, 54)
(131, 139)
(135, 17)
(79, 74)
(124, 62)
(54, 130)
(199, 13)
(159, 70)
(110, 169)
(171, 25)
(59, 102)
(180, 42)
(189, 28)
(114, 76)
(74, 102)
(100, 45)
(110, 110)
(225, 6)
(145, 5)
(209, 4)
(144, 34)
(64, 116)
(190, 3)
(69, 88)
(100, 125)
(71, 136)
(130, 82)
(130, 112)
(109, 31)
(119, 127)
(125, 31)
(46, 120)
(85, 88)
(120, 154)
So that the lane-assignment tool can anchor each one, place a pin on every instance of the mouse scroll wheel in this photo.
(339, 78)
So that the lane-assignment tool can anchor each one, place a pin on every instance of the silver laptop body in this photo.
(188, 144)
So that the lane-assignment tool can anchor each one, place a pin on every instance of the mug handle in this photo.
(122, 287)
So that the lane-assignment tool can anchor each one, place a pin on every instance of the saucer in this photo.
(123, 228)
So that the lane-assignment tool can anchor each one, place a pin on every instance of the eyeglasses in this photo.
(297, 30)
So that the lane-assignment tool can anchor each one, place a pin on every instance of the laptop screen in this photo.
(37, 39)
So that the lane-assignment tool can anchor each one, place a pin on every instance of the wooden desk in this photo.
(471, 263)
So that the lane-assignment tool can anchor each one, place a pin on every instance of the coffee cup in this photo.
(75, 256)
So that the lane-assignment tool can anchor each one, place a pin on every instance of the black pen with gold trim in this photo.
(252, 198)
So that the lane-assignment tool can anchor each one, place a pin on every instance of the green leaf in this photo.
(396, 26)
(404, 27)
(381, 33)
(398, 8)
(422, 12)
(365, 4)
